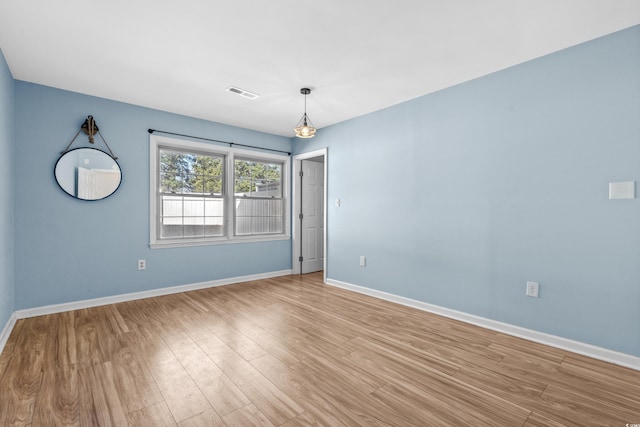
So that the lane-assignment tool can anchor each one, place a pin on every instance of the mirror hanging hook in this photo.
(90, 127)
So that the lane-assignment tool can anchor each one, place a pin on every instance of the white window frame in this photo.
(237, 199)
(156, 142)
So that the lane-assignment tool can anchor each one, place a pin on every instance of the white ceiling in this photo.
(357, 56)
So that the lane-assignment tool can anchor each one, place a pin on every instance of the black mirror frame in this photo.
(86, 148)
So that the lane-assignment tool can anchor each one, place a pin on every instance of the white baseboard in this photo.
(4, 336)
(76, 305)
(589, 350)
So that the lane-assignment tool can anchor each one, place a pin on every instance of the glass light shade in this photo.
(305, 128)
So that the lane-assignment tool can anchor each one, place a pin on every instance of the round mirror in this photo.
(88, 174)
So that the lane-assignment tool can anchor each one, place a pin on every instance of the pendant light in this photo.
(305, 128)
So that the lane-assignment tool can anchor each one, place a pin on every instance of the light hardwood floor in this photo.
(291, 351)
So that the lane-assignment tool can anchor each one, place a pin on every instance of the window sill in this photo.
(166, 244)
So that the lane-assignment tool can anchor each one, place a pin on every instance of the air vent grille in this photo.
(242, 92)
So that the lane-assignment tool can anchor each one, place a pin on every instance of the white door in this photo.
(96, 184)
(312, 209)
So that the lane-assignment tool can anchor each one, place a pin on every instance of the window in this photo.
(191, 194)
(206, 194)
(258, 197)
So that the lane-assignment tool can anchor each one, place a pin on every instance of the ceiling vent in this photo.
(242, 92)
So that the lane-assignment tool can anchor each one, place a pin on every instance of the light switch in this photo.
(622, 190)
(337, 203)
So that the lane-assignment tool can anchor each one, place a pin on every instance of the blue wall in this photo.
(6, 192)
(70, 250)
(460, 197)
(456, 198)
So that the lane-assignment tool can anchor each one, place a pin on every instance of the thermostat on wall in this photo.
(622, 190)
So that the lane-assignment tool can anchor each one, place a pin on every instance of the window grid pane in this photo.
(191, 217)
(257, 179)
(259, 216)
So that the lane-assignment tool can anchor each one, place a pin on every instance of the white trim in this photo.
(256, 238)
(617, 358)
(295, 196)
(77, 305)
(6, 332)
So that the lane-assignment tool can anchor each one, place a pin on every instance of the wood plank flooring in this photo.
(291, 351)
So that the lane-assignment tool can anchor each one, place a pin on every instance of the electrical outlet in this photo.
(142, 264)
(363, 261)
(532, 289)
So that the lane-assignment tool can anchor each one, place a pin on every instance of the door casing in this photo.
(296, 192)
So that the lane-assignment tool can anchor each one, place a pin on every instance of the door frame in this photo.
(296, 192)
